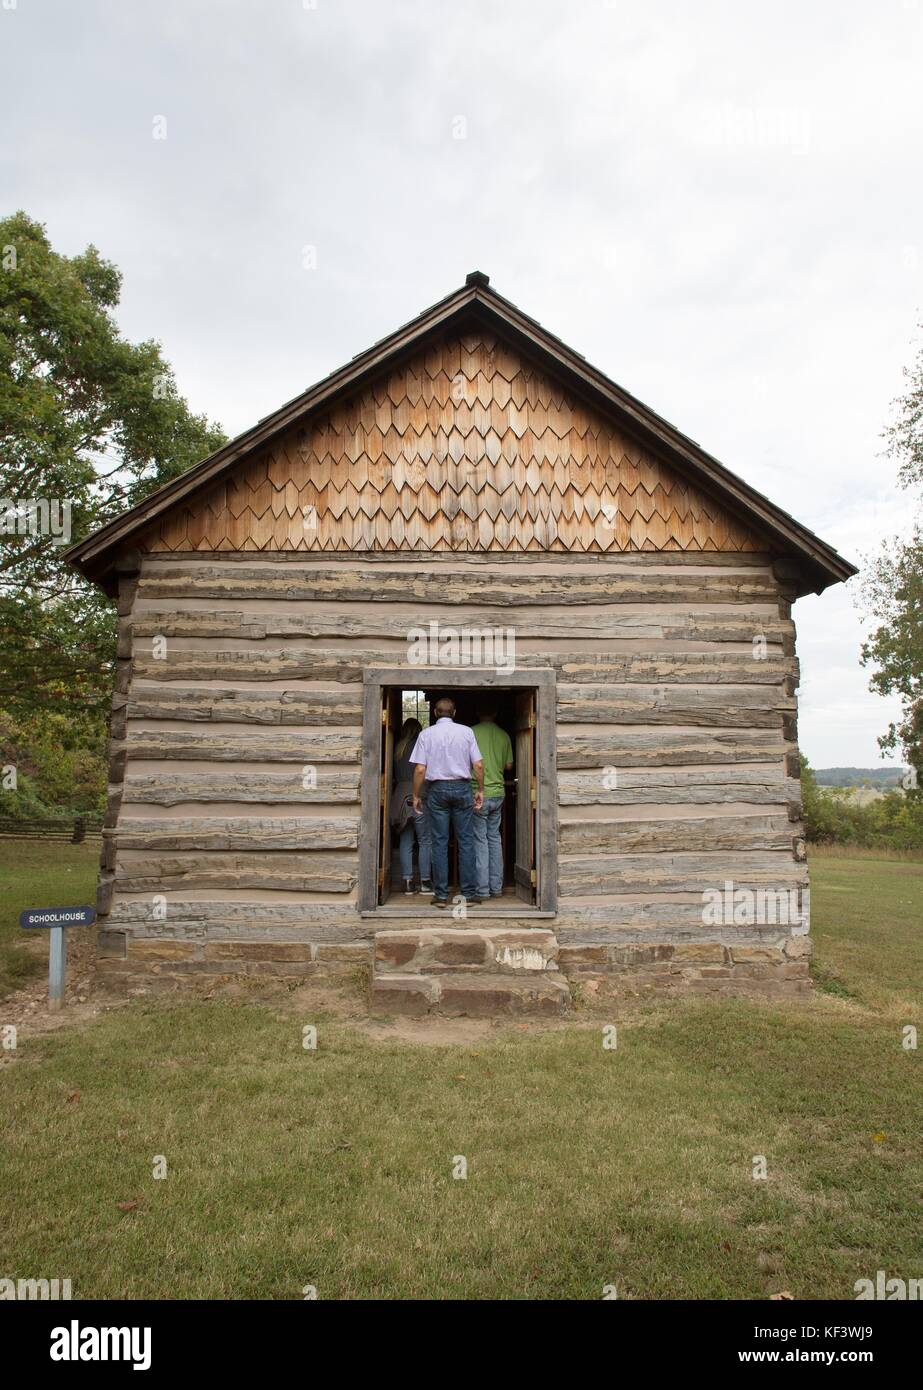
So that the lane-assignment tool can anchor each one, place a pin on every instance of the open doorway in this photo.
(524, 707)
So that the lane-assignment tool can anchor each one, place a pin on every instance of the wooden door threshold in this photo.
(434, 915)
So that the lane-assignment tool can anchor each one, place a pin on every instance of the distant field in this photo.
(586, 1167)
(861, 795)
(884, 777)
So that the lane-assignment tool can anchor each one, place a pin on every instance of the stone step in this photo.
(432, 950)
(475, 995)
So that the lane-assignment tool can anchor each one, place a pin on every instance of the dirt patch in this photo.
(347, 1003)
(437, 1032)
(27, 1008)
(343, 999)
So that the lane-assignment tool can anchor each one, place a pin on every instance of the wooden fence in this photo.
(65, 829)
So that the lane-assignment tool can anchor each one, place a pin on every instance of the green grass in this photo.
(586, 1167)
(38, 873)
(867, 923)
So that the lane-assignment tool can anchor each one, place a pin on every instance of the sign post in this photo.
(56, 918)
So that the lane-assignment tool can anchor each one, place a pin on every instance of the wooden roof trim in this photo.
(826, 564)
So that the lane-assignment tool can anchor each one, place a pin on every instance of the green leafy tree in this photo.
(893, 593)
(60, 762)
(812, 805)
(89, 420)
(836, 816)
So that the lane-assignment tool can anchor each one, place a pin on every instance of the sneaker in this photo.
(408, 887)
(425, 885)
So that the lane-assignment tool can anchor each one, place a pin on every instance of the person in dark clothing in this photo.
(409, 823)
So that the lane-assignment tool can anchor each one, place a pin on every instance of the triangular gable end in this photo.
(469, 428)
(466, 445)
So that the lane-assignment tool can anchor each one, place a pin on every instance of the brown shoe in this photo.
(439, 902)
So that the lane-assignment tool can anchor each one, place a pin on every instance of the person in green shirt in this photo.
(497, 754)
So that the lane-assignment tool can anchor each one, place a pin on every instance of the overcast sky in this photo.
(719, 204)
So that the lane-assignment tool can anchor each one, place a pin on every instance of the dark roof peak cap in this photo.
(477, 277)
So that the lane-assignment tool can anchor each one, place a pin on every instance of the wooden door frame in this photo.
(392, 729)
(527, 872)
(543, 680)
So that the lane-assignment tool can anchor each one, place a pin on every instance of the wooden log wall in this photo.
(234, 800)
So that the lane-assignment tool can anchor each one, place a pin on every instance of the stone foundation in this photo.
(129, 964)
(135, 965)
(706, 967)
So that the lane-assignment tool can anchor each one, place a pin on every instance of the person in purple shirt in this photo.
(445, 757)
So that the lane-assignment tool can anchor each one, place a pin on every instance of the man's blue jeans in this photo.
(451, 803)
(488, 852)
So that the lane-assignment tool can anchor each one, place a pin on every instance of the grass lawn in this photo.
(867, 921)
(586, 1167)
(39, 873)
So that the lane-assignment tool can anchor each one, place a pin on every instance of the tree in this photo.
(836, 816)
(893, 592)
(89, 425)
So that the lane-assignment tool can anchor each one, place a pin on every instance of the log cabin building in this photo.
(467, 506)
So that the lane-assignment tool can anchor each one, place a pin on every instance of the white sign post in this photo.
(56, 918)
